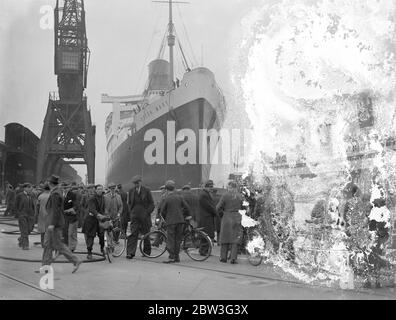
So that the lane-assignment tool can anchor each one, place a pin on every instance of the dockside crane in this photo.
(68, 132)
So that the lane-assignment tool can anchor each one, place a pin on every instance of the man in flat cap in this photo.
(56, 221)
(141, 205)
(174, 210)
(113, 205)
(207, 212)
(26, 215)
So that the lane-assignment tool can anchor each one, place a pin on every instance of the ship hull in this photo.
(128, 159)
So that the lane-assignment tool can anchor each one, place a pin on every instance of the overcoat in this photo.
(228, 209)
(207, 213)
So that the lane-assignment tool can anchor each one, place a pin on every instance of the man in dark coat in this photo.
(10, 201)
(174, 209)
(141, 205)
(96, 207)
(70, 208)
(207, 212)
(56, 221)
(193, 203)
(26, 215)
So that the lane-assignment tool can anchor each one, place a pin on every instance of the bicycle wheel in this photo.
(197, 245)
(107, 246)
(157, 241)
(255, 258)
(120, 245)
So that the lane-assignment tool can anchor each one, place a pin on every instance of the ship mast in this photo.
(171, 44)
(171, 38)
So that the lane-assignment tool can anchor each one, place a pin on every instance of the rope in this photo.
(186, 34)
(148, 51)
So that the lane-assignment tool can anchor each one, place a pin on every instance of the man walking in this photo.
(42, 215)
(174, 210)
(96, 207)
(141, 205)
(207, 213)
(56, 221)
(26, 215)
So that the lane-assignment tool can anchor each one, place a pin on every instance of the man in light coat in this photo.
(113, 205)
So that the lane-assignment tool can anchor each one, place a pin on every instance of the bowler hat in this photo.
(54, 180)
(136, 179)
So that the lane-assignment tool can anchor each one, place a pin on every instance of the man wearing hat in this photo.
(174, 210)
(113, 205)
(26, 215)
(56, 221)
(141, 205)
(207, 212)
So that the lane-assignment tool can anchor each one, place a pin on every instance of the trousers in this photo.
(89, 240)
(70, 234)
(225, 247)
(26, 226)
(174, 238)
(137, 227)
(53, 241)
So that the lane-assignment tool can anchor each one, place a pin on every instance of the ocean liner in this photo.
(167, 105)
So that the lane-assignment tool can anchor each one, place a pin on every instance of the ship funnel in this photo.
(159, 75)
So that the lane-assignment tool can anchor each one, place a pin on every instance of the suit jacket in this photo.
(193, 203)
(174, 209)
(96, 205)
(142, 213)
(69, 203)
(25, 205)
(55, 208)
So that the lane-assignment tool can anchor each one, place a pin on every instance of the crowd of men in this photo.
(60, 208)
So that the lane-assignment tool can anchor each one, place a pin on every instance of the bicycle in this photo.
(194, 240)
(314, 246)
(112, 247)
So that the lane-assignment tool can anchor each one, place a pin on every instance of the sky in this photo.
(123, 36)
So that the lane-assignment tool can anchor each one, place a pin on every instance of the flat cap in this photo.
(209, 183)
(111, 185)
(170, 184)
(186, 187)
(136, 179)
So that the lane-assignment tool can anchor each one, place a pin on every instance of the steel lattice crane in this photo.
(68, 132)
